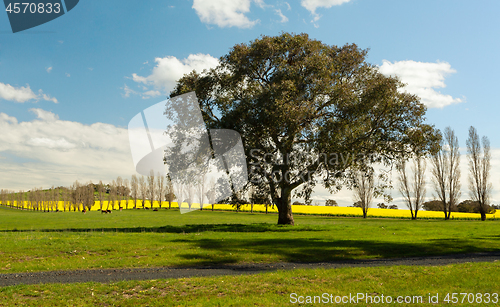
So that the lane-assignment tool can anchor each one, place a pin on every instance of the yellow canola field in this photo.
(375, 212)
(298, 209)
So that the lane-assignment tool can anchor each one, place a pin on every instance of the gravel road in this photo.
(111, 275)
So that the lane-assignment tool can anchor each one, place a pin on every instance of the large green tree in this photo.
(308, 113)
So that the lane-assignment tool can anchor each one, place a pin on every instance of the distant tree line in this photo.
(140, 192)
(143, 191)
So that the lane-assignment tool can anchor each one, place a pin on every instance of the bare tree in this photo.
(91, 197)
(134, 189)
(45, 203)
(212, 193)
(179, 189)
(169, 193)
(479, 170)
(202, 189)
(251, 196)
(119, 191)
(190, 194)
(144, 190)
(126, 191)
(160, 187)
(413, 189)
(363, 190)
(446, 172)
(55, 198)
(101, 191)
(20, 200)
(2, 197)
(31, 200)
(113, 195)
(66, 199)
(151, 188)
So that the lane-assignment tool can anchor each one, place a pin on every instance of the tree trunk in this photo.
(284, 204)
(483, 216)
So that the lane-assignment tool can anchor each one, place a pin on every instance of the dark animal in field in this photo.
(155, 209)
(105, 211)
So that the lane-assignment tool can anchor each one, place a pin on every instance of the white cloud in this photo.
(47, 97)
(422, 79)
(49, 69)
(22, 94)
(61, 143)
(312, 5)
(127, 91)
(225, 13)
(68, 75)
(48, 151)
(150, 94)
(283, 17)
(44, 115)
(170, 69)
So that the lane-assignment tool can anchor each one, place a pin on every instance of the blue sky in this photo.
(105, 61)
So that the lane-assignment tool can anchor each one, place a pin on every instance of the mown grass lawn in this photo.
(37, 241)
(413, 284)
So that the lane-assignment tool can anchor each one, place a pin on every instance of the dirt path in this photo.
(110, 275)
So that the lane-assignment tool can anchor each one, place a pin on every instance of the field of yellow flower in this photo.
(296, 209)
(355, 212)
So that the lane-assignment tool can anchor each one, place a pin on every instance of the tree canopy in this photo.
(308, 113)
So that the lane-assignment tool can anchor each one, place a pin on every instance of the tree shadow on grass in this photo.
(320, 250)
(190, 228)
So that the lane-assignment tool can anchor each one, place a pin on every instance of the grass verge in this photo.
(275, 289)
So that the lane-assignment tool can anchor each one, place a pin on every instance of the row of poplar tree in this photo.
(141, 191)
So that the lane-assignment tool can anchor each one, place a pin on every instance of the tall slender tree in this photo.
(119, 191)
(446, 172)
(201, 189)
(169, 193)
(179, 188)
(134, 189)
(160, 187)
(151, 188)
(126, 192)
(479, 170)
(101, 192)
(144, 190)
(364, 189)
(413, 187)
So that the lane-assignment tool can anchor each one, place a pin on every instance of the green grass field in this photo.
(37, 241)
(414, 284)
